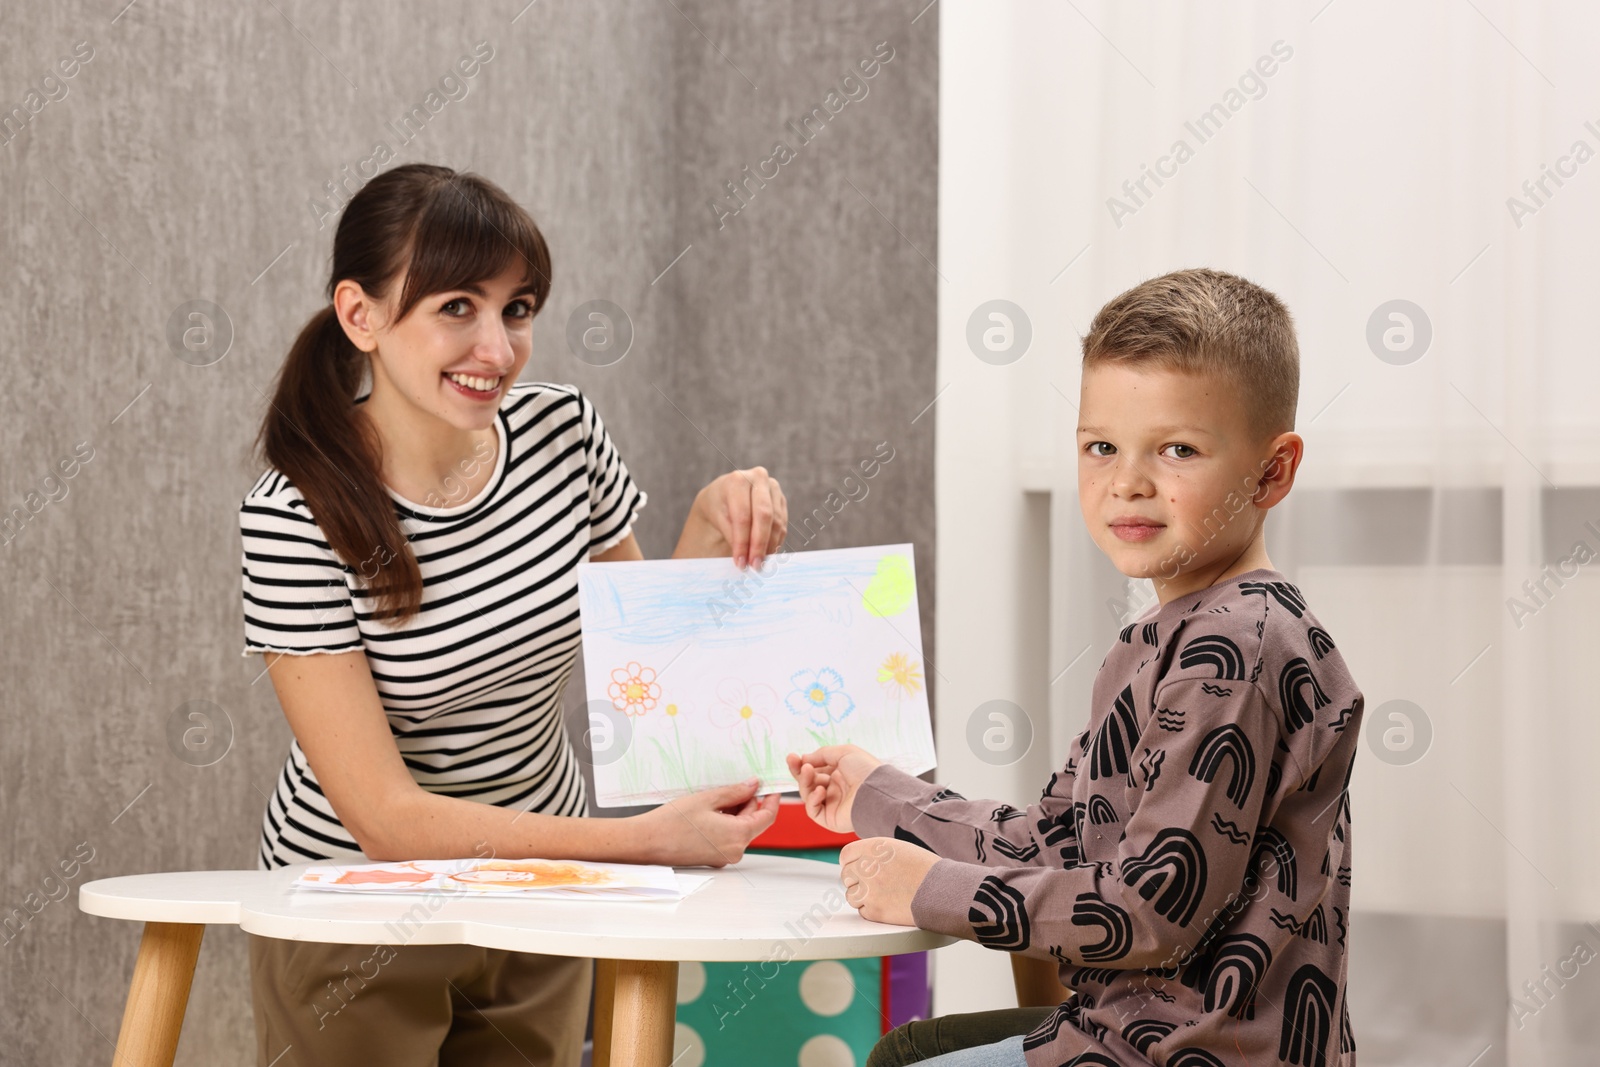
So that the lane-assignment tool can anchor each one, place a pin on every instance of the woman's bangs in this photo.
(464, 237)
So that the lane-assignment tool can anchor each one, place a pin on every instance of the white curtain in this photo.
(1347, 155)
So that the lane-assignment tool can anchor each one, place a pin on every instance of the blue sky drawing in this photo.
(799, 591)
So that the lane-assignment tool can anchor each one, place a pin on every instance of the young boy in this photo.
(1189, 867)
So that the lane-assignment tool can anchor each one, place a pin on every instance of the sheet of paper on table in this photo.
(548, 879)
(700, 674)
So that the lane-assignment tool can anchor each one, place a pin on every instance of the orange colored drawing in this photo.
(406, 877)
(633, 689)
(527, 874)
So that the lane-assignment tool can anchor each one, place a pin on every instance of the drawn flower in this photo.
(633, 689)
(673, 759)
(744, 709)
(901, 671)
(819, 695)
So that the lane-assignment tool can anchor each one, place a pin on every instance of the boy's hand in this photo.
(882, 875)
(828, 779)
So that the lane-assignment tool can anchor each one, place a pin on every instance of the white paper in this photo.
(557, 879)
(689, 884)
(700, 674)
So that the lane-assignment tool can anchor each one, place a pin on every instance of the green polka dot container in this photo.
(794, 1013)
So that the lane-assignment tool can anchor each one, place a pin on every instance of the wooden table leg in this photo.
(644, 1015)
(158, 995)
(605, 993)
(1038, 982)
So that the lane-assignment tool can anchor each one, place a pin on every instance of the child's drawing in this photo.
(672, 756)
(819, 695)
(633, 689)
(522, 877)
(901, 679)
(901, 674)
(747, 713)
(893, 586)
(720, 672)
(530, 874)
(396, 874)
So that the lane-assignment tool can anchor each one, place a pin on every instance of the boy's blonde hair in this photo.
(1208, 322)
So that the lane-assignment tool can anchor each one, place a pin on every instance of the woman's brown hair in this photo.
(442, 230)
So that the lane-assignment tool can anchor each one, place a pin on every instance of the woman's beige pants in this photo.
(415, 1005)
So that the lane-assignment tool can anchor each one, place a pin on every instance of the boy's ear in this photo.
(1282, 459)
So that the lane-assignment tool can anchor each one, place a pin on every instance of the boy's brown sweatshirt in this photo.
(1189, 867)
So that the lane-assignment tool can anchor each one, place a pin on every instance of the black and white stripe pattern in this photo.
(472, 685)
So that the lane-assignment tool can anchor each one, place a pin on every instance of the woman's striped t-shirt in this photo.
(472, 684)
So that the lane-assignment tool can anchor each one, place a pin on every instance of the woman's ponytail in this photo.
(313, 436)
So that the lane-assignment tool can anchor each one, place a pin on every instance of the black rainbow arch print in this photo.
(1101, 813)
(1113, 742)
(1014, 852)
(1283, 592)
(1307, 1017)
(1293, 681)
(1114, 924)
(1217, 652)
(1173, 866)
(1271, 848)
(1143, 1033)
(1061, 833)
(1234, 972)
(999, 917)
(1093, 975)
(1226, 744)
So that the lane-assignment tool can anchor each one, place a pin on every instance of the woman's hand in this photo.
(881, 876)
(711, 828)
(742, 514)
(828, 780)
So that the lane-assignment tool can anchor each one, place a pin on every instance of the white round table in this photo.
(764, 908)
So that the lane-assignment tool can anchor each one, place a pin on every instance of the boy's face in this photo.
(1167, 469)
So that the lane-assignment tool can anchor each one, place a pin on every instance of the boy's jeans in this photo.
(922, 1039)
(1007, 1053)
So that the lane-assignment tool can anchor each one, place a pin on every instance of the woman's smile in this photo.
(475, 388)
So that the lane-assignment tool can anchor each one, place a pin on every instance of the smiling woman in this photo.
(420, 651)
